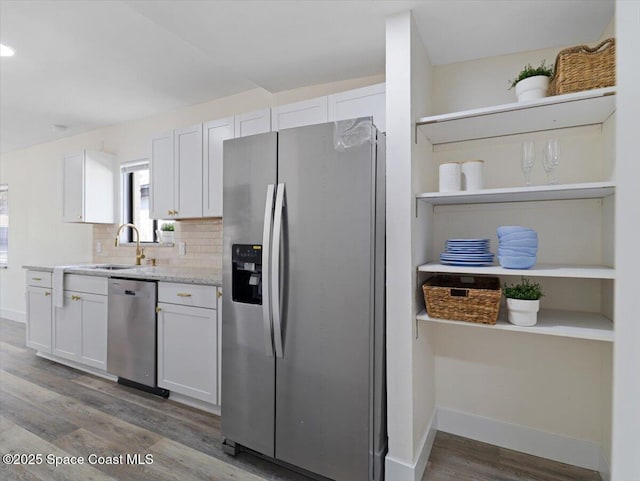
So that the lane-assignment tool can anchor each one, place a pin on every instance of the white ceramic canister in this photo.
(450, 177)
(472, 178)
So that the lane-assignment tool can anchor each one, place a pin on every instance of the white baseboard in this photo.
(13, 315)
(576, 452)
(396, 470)
(605, 469)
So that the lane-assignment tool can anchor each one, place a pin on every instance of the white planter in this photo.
(167, 236)
(532, 88)
(523, 313)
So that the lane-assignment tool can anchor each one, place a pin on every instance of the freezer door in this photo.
(325, 375)
(248, 371)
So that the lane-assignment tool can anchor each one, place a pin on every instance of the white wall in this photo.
(626, 404)
(37, 234)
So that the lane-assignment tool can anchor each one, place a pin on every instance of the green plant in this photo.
(166, 227)
(529, 71)
(526, 290)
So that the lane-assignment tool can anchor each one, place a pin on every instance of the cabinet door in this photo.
(257, 122)
(73, 188)
(214, 134)
(38, 303)
(188, 172)
(99, 178)
(66, 327)
(162, 176)
(93, 330)
(299, 114)
(187, 351)
(363, 102)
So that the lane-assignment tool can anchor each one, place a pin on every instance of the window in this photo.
(136, 202)
(4, 226)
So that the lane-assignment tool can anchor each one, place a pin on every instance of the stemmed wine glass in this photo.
(551, 160)
(528, 159)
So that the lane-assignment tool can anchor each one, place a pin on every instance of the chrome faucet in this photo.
(139, 250)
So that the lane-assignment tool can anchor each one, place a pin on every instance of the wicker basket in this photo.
(470, 299)
(584, 68)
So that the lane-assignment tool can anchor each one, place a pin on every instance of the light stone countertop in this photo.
(189, 275)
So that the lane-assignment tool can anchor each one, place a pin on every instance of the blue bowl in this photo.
(517, 262)
(511, 229)
(519, 243)
(519, 236)
(517, 251)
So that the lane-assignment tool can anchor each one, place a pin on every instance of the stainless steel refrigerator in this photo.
(303, 316)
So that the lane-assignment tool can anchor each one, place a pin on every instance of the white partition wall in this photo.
(410, 361)
(626, 405)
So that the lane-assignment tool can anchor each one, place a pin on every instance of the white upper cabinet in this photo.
(89, 187)
(362, 102)
(188, 172)
(299, 114)
(161, 173)
(176, 174)
(252, 123)
(213, 136)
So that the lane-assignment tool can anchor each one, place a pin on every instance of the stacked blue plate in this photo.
(467, 252)
(517, 247)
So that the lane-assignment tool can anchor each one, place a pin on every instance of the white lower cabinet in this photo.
(188, 342)
(38, 301)
(187, 345)
(80, 329)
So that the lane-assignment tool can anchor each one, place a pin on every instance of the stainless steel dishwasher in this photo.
(131, 334)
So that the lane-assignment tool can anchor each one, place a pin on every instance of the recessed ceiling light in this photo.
(6, 51)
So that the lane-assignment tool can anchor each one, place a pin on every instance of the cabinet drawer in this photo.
(39, 279)
(187, 294)
(88, 284)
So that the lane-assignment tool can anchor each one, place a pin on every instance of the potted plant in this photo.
(532, 82)
(523, 302)
(167, 232)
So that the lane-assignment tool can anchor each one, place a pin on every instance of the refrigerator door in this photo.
(324, 379)
(248, 369)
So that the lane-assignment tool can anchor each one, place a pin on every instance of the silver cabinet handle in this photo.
(266, 262)
(275, 271)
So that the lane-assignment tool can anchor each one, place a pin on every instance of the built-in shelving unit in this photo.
(591, 190)
(590, 107)
(579, 325)
(539, 270)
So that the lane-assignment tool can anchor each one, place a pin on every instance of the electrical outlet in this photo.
(98, 247)
(182, 248)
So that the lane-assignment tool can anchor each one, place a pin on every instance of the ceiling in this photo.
(95, 63)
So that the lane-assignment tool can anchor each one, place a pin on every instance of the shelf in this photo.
(578, 325)
(592, 190)
(560, 111)
(539, 270)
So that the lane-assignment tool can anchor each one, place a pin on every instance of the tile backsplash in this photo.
(202, 237)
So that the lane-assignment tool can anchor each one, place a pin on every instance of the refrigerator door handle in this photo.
(275, 271)
(266, 262)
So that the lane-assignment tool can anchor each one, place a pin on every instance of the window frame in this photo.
(127, 170)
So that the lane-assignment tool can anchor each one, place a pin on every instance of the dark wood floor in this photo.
(47, 408)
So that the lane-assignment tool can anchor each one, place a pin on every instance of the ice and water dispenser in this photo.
(246, 273)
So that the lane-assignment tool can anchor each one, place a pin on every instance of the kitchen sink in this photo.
(110, 267)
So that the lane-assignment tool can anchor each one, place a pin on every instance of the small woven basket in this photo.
(470, 299)
(584, 68)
